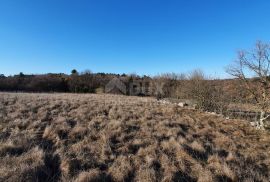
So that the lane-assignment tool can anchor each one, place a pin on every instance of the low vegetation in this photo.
(72, 137)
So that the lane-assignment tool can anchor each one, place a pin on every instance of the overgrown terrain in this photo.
(69, 137)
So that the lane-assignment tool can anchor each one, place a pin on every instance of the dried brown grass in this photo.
(72, 137)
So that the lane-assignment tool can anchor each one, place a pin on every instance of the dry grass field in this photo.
(69, 137)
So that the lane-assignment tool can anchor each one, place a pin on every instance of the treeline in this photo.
(35, 83)
(209, 94)
(84, 82)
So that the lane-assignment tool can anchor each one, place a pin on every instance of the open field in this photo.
(72, 137)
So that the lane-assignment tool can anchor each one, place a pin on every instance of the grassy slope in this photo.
(64, 137)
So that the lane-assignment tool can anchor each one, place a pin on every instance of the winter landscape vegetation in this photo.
(60, 121)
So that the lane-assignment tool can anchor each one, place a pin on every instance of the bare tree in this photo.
(200, 90)
(208, 95)
(252, 68)
(167, 85)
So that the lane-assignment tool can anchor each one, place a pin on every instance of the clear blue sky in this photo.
(131, 36)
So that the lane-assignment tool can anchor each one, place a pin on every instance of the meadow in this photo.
(102, 137)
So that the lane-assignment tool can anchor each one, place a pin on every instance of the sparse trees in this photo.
(252, 68)
(199, 89)
(157, 86)
(208, 96)
(168, 85)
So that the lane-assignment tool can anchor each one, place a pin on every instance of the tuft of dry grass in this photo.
(80, 138)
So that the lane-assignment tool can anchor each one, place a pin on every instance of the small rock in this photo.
(182, 104)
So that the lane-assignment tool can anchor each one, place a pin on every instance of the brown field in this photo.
(69, 137)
